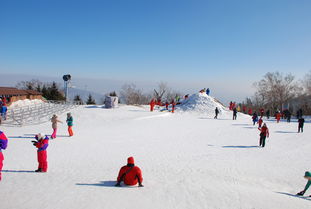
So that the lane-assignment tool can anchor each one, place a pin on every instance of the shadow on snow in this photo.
(17, 171)
(105, 184)
(292, 195)
(240, 146)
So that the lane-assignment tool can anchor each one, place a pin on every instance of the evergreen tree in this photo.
(90, 100)
(55, 94)
(78, 99)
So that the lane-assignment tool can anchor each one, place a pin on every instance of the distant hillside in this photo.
(84, 95)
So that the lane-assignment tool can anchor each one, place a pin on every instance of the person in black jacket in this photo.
(216, 113)
(234, 113)
(301, 122)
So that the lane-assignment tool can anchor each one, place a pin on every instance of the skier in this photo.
(264, 132)
(308, 177)
(130, 174)
(301, 122)
(3, 145)
(54, 121)
(216, 112)
(152, 104)
(69, 123)
(255, 118)
(260, 122)
(42, 143)
(234, 113)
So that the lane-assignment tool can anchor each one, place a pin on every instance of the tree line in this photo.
(277, 91)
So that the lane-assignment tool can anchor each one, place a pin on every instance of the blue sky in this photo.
(224, 44)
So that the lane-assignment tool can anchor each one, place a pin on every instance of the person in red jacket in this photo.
(264, 132)
(42, 143)
(250, 111)
(152, 104)
(130, 174)
(278, 117)
(260, 122)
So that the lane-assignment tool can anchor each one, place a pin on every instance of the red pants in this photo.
(42, 160)
(70, 131)
(1, 163)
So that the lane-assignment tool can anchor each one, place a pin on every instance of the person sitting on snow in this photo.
(308, 177)
(42, 143)
(130, 174)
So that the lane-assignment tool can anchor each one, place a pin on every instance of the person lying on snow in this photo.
(130, 174)
(308, 177)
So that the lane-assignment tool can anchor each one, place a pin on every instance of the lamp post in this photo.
(66, 79)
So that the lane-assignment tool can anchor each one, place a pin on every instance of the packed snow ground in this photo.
(188, 160)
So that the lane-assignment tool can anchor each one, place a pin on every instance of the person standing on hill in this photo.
(173, 105)
(152, 104)
(234, 113)
(301, 122)
(130, 174)
(54, 121)
(208, 91)
(69, 123)
(42, 143)
(260, 122)
(264, 132)
(308, 177)
(216, 113)
(3, 145)
(255, 118)
(268, 114)
(278, 116)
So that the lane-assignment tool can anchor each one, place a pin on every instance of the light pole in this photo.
(66, 79)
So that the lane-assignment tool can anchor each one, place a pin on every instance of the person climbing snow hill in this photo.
(130, 174)
(264, 132)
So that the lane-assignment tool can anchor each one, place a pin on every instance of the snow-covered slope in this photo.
(187, 160)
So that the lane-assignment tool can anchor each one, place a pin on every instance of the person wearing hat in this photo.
(69, 123)
(54, 121)
(3, 145)
(308, 177)
(42, 143)
(130, 174)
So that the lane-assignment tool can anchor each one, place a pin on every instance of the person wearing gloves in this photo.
(308, 177)
(3, 145)
(130, 174)
(69, 123)
(42, 143)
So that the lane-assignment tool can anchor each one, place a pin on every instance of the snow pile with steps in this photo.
(201, 102)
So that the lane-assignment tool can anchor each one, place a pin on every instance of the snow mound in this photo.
(25, 102)
(201, 102)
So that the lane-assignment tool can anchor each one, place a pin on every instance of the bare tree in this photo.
(33, 84)
(307, 83)
(133, 96)
(274, 90)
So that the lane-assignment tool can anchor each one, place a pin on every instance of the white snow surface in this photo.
(201, 103)
(188, 161)
(25, 102)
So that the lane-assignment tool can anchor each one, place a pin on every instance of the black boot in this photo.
(38, 170)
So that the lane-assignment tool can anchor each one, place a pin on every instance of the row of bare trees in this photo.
(131, 95)
(276, 91)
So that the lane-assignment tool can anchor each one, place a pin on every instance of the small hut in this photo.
(111, 101)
